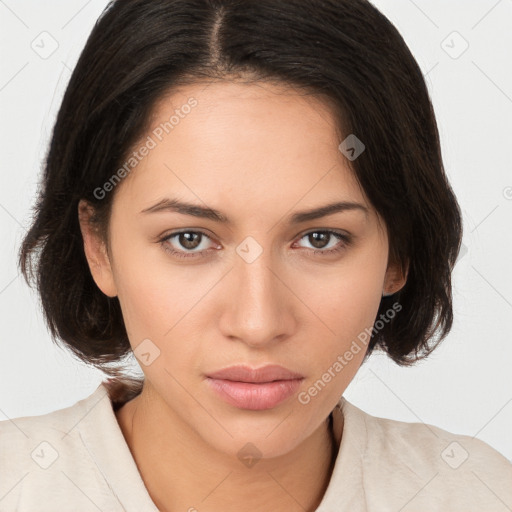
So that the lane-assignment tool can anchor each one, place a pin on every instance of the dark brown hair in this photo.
(343, 51)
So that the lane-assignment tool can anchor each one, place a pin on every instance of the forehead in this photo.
(246, 145)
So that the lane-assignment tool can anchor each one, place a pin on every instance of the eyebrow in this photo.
(175, 205)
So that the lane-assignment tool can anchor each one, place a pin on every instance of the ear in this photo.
(96, 251)
(395, 279)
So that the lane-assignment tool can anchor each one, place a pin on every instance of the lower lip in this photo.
(253, 396)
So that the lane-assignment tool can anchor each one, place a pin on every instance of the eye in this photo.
(187, 244)
(190, 243)
(320, 239)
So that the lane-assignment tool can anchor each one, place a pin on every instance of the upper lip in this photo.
(268, 373)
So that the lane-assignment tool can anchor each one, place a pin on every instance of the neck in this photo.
(182, 472)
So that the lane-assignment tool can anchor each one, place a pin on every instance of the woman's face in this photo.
(268, 285)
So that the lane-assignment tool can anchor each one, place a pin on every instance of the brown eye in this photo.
(319, 239)
(186, 244)
(189, 239)
(325, 242)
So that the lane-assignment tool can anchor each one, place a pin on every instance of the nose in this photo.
(260, 308)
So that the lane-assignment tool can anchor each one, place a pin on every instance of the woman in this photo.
(250, 195)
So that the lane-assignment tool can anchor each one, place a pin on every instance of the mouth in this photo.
(254, 389)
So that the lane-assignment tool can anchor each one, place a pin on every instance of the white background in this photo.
(465, 386)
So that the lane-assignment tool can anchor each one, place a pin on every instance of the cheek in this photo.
(350, 298)
(347, 303)
(157, 319)
(153, 295)
(350, 308)
(161, 302)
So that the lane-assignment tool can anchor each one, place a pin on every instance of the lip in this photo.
(254, 389)
(267, 373)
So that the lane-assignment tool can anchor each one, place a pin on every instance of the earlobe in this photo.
(95, 251)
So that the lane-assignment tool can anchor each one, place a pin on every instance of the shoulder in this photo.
(45, 458)
(431, 464)
(22, 431)
(27, 432)
(432, 446)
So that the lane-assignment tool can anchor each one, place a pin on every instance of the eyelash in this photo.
(183, 254)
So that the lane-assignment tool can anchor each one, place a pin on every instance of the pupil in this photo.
(186, 240)
(317, 242)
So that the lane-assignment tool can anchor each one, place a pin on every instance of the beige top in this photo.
(77, 459)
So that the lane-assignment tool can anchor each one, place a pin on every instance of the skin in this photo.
(258, 153)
